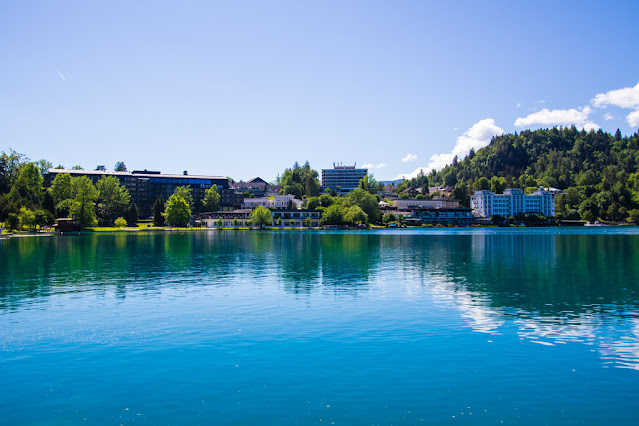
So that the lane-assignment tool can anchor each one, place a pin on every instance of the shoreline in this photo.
(288, 229)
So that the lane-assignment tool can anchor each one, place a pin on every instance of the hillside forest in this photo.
(596, 171)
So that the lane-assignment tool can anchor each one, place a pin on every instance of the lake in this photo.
(486, 325)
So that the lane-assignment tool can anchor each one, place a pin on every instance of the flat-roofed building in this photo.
(342, 178)
(460, 216)
(435, 203)
(147, 186)
(288, 217)
(513, 201)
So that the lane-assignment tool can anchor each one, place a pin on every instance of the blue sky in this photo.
(245, 88)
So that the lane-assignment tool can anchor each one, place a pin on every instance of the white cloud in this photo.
(409, 157)
(607, 116)
(518, 105)
(633, 118)
(373, 166)
(628, 97)
(559, 117)
(477, 137)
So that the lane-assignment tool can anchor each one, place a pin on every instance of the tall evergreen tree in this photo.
(158, 210)
(131, 215)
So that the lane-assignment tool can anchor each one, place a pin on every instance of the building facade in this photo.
(435, 203)
(513, 201)
(211, 219)
(275, 202)
(342, 178)
(288, 217)
(294, 217)
(256, 187)
(460, 216)
(147, 186)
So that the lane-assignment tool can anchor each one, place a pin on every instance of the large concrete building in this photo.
(342, 178)
(147, 186)
(513, 201)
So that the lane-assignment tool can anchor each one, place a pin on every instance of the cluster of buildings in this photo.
(237, 200)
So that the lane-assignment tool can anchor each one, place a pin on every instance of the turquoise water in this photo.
(524, 326)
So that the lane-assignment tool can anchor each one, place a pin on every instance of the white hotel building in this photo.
(512, 202)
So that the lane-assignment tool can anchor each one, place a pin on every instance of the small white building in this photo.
(513, 201)
(275, 202)
(251, 203)
(282, 201)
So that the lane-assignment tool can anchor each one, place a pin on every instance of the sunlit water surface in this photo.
(525, 326)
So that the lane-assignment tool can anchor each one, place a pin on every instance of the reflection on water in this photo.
(551, 287)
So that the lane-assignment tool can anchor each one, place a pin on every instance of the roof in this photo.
(137, 174)
(257, 180)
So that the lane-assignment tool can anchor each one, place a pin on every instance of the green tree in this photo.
(498, 185)
(84, 196)
(332, 215)
(27, 218)
(186, 193)
(300, 181)
(131, 215)
(113, 198)
(311, 203)
(119, 167)
(261, 216)
(308, 222)
(388, 218)
(326, 200)
(9, 165)
(48, 203)
(120, 222)
(177, 211)
(311, 184)
(27, 188)
(369, 184)
(61, 188)
(44, 218)
(367, 202)
(236, 222)
(158, 210)
(44, 166)
(13, 221)
(77, 167)
(355, 215)
(482, 184)
(219, 223)
(588, 210)
(211, 200)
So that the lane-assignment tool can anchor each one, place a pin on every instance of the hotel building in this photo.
(511, 202)
(342, 178)
(147, 186)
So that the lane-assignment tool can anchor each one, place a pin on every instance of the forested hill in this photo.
(596, 170)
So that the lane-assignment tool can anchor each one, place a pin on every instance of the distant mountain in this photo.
(391, 182)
